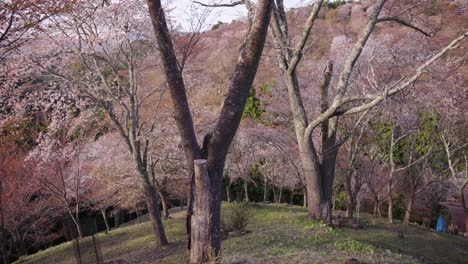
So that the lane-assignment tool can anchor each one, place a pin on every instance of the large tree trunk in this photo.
(104, 217)
(201, 251)
(319, 184)
(154, 212)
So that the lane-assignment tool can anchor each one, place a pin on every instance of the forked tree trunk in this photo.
(201, 250)
(76, 221)
(106, 222)
(217, 145)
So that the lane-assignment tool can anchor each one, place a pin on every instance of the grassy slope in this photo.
(278, 234)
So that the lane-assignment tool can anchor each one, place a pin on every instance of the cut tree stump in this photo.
(201, 251)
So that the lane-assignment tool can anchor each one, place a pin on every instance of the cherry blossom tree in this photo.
(108, 43)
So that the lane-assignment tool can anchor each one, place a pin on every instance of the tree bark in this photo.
(246, 191)
(104, 217)
(152, 202)
(304, 202)
(265, 189)
(200, 250)
(280, 196)
(138, 216)
(228, 193)
(165, 207)
(409, 209)
(117, 221)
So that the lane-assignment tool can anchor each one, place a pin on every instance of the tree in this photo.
(22, 19)
(353, 174)
(319, 168)
(217, 143)
(60, 175)
(104, 67)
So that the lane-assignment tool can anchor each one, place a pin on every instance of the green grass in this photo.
(277, 234)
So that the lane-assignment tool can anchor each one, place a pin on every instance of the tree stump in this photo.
(200, 250)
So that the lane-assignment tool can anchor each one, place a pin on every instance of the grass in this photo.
(277, 234)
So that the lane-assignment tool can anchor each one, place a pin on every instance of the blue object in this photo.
(441, 225)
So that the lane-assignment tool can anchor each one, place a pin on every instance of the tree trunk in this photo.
(280, 194)
(313, 179)
(117, 221)
(465, 205)
(228, 194)
(375, 210)
(78, 229)
(165, 207)
(104, 217)
(390, 210)
(265, 190)
(200, 250)
(76, 221)
(350, 201)
(246, 191)
(154, 212)
(231, 113)
(2, 229)
(138, 216)
(349, 208)
(409, 209)
(304, 203)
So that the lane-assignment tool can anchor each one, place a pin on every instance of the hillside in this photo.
(275, 234)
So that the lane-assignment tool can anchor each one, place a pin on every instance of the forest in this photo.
(331, 132)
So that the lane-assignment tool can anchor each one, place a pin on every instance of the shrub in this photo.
(235, 218)
(253, 107)
(217, 25)
(333, 4)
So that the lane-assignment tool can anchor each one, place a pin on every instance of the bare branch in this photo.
(404, 23)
